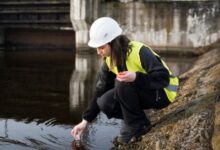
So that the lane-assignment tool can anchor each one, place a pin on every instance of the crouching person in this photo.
(132, 78)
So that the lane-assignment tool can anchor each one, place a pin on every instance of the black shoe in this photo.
(129, 134)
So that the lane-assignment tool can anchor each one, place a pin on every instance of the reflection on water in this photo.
(34, 103)
(40, 104)
(98, 135)
(35, 91)
(21, 135)
(82, 83)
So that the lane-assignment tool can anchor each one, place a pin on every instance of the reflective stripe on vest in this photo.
(172, 88)
(133, 64)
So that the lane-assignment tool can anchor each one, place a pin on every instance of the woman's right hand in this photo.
(78, 129)
(126, 76)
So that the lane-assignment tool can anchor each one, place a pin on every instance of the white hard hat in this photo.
(102, 31)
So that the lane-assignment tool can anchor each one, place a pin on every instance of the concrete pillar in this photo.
(82, 13)
(78, 16)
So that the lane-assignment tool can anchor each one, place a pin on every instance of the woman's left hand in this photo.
(126, 76)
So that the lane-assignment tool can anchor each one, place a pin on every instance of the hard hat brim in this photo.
(95, 44)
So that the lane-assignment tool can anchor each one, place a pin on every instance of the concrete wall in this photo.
(159, 24)
(82, 13)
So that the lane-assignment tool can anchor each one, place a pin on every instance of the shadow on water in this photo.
(41, 102)
(34, 103)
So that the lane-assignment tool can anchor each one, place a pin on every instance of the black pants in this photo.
(126, 102)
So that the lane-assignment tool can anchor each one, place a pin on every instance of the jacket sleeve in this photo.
(104, 82)
(157, 76)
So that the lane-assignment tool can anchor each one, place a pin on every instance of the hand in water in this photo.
(77, 131)
(76, 146)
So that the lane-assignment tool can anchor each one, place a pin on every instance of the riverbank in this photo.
(192, 121)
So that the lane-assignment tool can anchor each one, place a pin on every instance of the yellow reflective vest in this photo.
(133, 64)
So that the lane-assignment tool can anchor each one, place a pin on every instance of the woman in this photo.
(132, 78)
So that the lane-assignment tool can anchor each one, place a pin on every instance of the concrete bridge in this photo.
(164, 25)
(65, 24)
(34, 13)
(35, 25)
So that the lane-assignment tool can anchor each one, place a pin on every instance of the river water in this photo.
(41, 102)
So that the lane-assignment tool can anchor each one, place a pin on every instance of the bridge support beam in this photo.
(82, 13)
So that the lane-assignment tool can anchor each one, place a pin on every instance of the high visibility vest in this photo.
(133, 64)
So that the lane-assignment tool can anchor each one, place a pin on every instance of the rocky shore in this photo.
(192, 122)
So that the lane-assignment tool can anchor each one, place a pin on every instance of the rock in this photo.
(206, 134)
(188, 122)
(157, 147)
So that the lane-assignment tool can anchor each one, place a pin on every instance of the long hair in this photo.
(120, 48)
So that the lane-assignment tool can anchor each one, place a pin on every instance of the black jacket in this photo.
(157, 77)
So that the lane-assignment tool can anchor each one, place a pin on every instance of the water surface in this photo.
(41, 102)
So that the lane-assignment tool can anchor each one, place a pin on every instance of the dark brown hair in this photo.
(120, 48)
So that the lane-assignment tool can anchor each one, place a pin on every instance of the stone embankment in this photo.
(192, 122)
